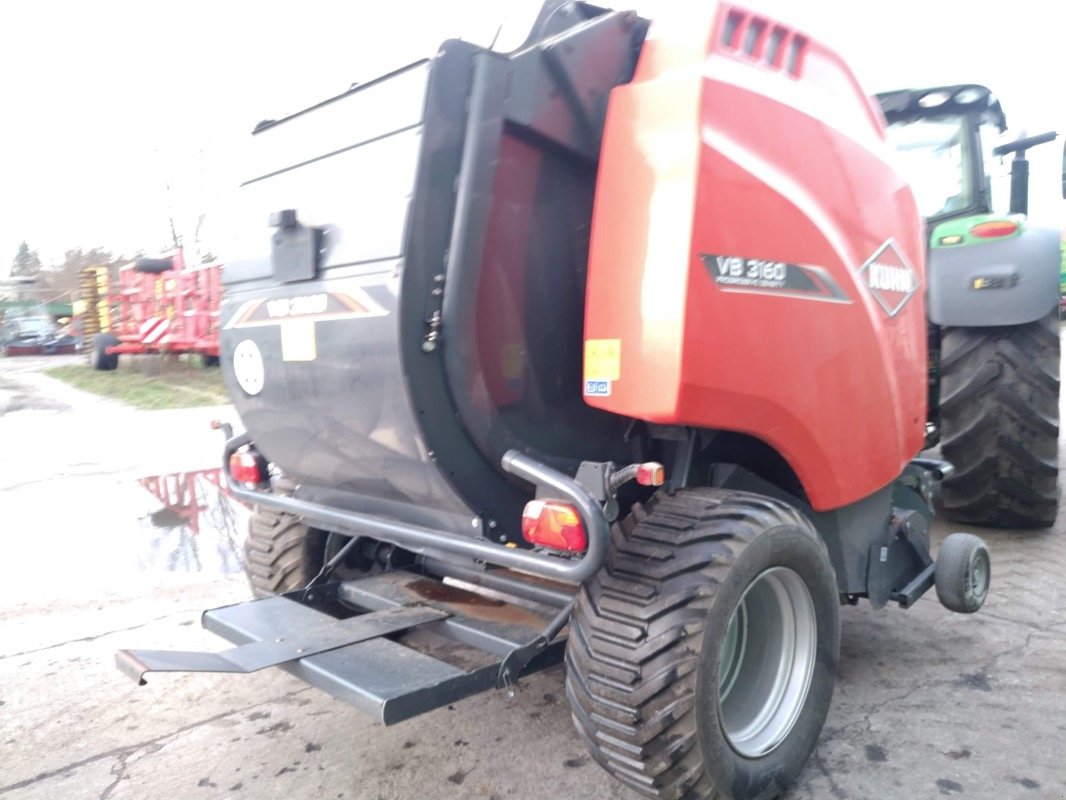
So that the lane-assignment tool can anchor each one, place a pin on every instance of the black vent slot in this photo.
(729, 30)
(795, 55)
(753, 36)
(773, 49)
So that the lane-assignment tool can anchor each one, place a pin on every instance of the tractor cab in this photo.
(944, 139)
(947, 140)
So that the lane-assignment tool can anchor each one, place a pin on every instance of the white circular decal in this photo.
(248, 366)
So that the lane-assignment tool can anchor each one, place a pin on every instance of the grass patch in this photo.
(150, 382)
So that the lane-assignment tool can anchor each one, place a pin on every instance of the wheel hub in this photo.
(766, 662)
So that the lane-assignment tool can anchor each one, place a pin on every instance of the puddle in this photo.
(194, 525)
(82, 536)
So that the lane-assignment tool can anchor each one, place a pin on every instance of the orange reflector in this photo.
(554, 524)
(994, 230)
(244, 467)
(651, 474)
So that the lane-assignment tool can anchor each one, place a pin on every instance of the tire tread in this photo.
(999, 414)
(637, 629)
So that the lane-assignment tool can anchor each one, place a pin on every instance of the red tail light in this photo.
(554, 524)
(246, 468)
(994, 229)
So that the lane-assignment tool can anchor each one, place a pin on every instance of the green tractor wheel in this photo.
(999, 415)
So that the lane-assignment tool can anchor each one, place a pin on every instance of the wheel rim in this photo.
(766, 662)
(980, 576)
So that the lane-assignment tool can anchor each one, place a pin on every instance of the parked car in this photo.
(36, 335)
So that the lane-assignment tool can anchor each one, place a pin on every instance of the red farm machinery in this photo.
(160, 305)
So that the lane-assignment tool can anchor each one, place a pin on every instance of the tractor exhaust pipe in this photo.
(1019, 168)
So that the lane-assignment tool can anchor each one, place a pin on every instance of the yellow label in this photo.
(298, 340)
(514, 362)
(603, 359)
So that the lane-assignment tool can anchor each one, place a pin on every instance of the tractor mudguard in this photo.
(1009, 281)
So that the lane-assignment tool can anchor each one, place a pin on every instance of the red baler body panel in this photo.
(756, 264)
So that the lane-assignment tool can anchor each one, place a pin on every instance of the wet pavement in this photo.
(114, 535)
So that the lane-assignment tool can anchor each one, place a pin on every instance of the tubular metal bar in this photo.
(420, 540)
(492, 579)
(923, 581)
(938, 468)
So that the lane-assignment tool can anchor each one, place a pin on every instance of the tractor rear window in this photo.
(933, 155)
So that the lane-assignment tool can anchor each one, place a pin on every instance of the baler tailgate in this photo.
(351, 658)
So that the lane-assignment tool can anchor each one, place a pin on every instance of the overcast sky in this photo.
(105, 104)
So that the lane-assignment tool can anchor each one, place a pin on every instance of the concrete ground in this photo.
(927, 703)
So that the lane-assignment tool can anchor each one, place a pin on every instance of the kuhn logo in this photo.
(890, 278)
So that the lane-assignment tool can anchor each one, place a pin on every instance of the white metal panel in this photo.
(376, 110)
(360, 196)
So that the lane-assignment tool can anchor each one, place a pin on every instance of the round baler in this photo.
(568, 353)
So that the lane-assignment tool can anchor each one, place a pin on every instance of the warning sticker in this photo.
(603, 360)
(298, 340)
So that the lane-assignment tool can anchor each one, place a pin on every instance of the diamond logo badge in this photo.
(890, 278)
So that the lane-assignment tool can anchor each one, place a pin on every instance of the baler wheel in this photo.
(282, 554)
(999, 416)
(963, 573)
(665, 660)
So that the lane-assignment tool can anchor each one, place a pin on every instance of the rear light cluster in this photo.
(558, 525)
(989, 229)
(994, 229)
(554, 524)
(248, 467)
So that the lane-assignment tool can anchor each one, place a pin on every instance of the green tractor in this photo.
(993, 304)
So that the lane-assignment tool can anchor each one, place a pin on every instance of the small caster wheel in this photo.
(963, 573)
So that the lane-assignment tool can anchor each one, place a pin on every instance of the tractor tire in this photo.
(153, 266)
(282, 554)
(101, 359)
(999, 420)
(665, 662)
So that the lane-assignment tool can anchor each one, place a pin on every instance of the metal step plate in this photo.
(351, 658)
(321, 634)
